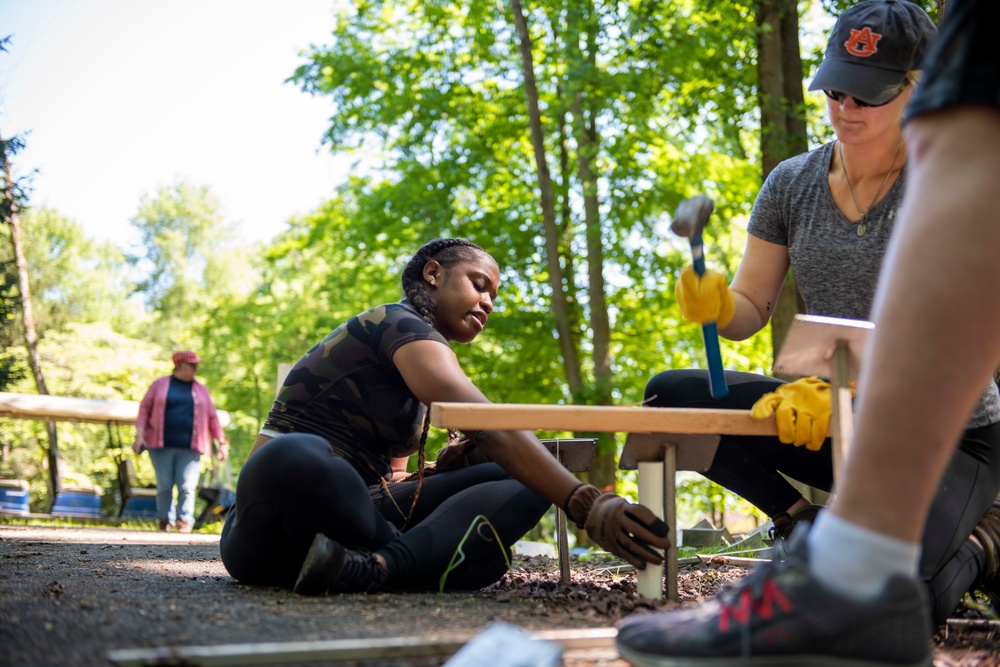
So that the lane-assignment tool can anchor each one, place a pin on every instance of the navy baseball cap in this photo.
(873, 46)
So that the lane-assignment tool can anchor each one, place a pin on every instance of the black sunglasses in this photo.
(839, 97)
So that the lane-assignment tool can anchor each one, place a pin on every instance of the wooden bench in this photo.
(77, 495)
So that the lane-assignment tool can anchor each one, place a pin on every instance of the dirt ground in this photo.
(83, 595)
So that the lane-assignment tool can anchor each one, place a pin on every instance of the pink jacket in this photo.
(151, 410)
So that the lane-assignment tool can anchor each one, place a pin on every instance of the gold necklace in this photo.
(862, 223)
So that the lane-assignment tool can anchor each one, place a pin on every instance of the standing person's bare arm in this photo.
(757, 285)
(742, 309)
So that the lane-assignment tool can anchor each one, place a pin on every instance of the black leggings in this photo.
(295, 486)
(750, 466)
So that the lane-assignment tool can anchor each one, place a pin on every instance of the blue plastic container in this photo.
(14, 496)
(70, 503)
(140, 507)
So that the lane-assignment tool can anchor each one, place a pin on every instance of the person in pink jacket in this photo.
(177, 423)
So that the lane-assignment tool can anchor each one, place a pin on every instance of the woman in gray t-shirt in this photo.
(827, 215)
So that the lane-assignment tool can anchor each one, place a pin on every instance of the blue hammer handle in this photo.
(709, 332)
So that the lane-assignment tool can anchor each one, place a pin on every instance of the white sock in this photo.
(855, 561)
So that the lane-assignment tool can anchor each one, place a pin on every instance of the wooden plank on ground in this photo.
(337, 650)
(597, 418)
(722, 559)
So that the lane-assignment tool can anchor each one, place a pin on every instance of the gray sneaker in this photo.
(330, 567)
(780, 615)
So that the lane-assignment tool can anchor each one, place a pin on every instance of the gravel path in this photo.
(72, 596)
(69, 596)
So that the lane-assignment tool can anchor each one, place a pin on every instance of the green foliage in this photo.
(11, 330)
(698, 497)
(75, 279)
(837, 7)
(13, 193)
(435, 87)
(183, 235)
(315, 275)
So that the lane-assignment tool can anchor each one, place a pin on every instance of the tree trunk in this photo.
(603, 473)
(30, 335)
(783, 126)
(770, 85)
(797, 137)
(560, 306)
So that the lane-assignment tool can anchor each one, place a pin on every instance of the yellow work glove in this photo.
(801, 410)
(706, 298)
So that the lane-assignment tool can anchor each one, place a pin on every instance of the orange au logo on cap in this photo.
(862, 43)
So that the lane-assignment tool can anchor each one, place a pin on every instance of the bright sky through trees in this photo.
(122, 98)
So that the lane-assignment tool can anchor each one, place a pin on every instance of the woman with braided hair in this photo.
(324, 503)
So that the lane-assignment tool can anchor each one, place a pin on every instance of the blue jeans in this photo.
(180, 468)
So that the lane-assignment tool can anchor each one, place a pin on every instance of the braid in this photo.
(447, 252)
(421, 460)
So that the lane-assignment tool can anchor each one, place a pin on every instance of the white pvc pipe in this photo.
(650, 581)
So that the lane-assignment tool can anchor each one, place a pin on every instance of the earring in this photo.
(433, 282)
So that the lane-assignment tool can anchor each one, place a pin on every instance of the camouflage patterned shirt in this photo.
(347, 390)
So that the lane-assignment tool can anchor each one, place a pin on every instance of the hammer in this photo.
(689, 221)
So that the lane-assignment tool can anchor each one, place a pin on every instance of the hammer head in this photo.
(691, 216)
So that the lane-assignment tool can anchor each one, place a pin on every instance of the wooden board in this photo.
(721, 559)
(808, 348)
(275, 653)
(597, 418)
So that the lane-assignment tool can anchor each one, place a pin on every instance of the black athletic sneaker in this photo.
(330, 567)
(987, 531)
(780, 615)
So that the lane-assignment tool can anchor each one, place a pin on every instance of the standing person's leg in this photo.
(188, 470)
(937, 307)
(163, 466)
(910, 412)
